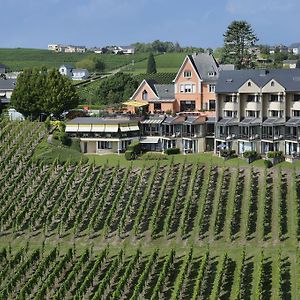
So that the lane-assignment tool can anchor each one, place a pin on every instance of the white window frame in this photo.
(187, 74)
(212, 88)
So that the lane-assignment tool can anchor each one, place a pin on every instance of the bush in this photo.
(274, 154)
(135, 147)
(154, 156)
(129, 155)
(250, 154)
(268, 163)
(172, 151)
(227, 153)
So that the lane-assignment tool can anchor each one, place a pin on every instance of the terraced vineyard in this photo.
(222, 233)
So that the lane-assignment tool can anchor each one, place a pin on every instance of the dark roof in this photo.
(193, 120)
(2, 66)
(273, 121)
(205, 63)
(7, 84)
(165, 91)
(250, 120)
(293, 121)
(227, 121)
(174, 120)
(211, 120)
(88, 120)
(231, 81)
(295, 45)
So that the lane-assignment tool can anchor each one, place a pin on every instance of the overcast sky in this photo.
(37, 23)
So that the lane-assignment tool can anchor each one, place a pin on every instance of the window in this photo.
(296, 113)
(212, 105)
(187, 105)
(211, 74)
(104, 145)
(251, 98)
(249, 83)
(272, 83)
(145, 95)
(275, 98)
(211, 88)
(187, 74)
(187, 88)
(276, 113)
(230, 98)
(296, 97)
(253, 113)
(230, 113)
(157, 106)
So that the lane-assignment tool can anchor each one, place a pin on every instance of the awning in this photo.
(293, 122)
(227, 121)
(150, 140)
(85, 128)
(124, 128)
(250, 121)
(134, 128)
(71, 128)
(273, 121)
(111, 128)
(2, 94)
(98, 128)
(152, 121)
(136, 103)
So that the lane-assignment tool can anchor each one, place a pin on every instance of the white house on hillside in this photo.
(75, 74)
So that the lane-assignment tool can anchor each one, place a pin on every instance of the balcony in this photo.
(233, 106)
(249, 137)
(273, 137)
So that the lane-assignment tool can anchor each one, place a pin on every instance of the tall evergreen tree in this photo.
(238, 39)
(151, 66)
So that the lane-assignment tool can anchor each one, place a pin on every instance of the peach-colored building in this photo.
(193, 88)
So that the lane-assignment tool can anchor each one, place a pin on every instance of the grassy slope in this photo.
(20, 58)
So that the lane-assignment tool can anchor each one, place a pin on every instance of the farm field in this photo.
(17, 59)
(183, 229)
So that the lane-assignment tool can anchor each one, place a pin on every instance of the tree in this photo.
(151, 66)
(238, 39)
(92, 63)
(38, 91)
(116, 88)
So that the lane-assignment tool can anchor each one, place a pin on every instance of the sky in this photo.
(37, 23)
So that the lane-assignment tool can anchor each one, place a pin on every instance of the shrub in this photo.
(129, 155)
(154, 156)
(250, 154)
(268, 163)
(172, 151)
(274, 154)
(135, 147)
(227, 153)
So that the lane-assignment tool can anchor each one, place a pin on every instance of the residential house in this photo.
(289, 64)
(80, 74)
(159, 98)
(6, 89)
(123, 50)
(104, 135)
(279, 48)
(75, 74)
(193, 88)
(66, 48)
(295, 48)
(258, 110)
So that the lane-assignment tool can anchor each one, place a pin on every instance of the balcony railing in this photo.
(273, 137)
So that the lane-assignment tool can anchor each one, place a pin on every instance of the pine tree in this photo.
(151, 67)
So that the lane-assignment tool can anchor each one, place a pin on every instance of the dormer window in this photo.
(187, 74)
(211, 74)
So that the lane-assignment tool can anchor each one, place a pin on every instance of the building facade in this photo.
(258, 110)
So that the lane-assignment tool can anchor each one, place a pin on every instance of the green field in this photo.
(190, 227)
(165, 63)
(17, 59)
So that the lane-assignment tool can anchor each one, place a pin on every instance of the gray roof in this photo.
(165, 91)
(250, 120)
(227, 121)
(273, 121)
(173, 120)
(205, 63)
(88, 120)
(231, 81)
(66, 66)
(295, 121)
(192, 120)
(7, 84)
(80, 70)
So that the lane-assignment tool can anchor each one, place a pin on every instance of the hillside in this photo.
(19, 58)
(180, 228)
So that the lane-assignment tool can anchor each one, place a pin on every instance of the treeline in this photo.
(158, 46)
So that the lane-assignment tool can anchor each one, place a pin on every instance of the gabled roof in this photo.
(164, 91)
(79, 70)
(231, 81)
(205, 63)
(66, 66)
